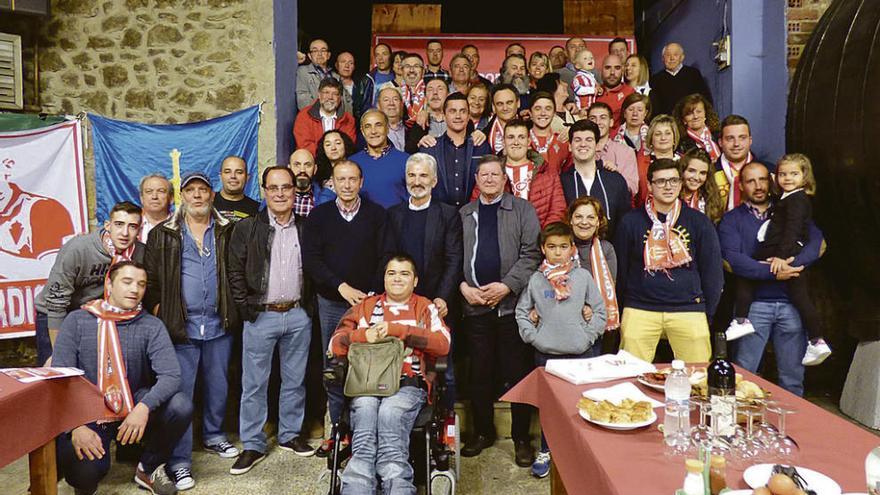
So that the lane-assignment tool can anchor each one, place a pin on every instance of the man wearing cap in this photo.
(187, 268)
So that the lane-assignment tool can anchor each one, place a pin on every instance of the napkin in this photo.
(599, 369)
(617, 393)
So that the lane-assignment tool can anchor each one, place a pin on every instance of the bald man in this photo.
(231, 202)
(675, 81)
(309, 193)
(615, 90)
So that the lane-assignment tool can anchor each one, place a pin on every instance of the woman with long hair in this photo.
(333, 147)
(699, 190)
(636, 73)
(479, 109)
(539, 66)
(698, 125)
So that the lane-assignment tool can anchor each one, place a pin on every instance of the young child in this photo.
(780, 238)
(561, 313)
(584, 85)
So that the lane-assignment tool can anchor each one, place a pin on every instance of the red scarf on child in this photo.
(557, 275)
(605, 282)
(664, 247)
(112, 379)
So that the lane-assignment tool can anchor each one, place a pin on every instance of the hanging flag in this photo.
(127, 151)
(42, 205)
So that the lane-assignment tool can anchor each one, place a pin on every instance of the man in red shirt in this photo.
(614, 90)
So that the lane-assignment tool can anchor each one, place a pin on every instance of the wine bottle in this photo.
(722, 389)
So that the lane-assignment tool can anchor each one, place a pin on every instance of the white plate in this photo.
(620, 426)
(759, 474)
(654, 386)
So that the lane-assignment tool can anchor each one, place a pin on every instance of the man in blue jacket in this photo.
(456, 154)
(771, 313)
(669, 272)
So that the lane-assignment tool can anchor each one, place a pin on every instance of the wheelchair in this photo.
(434, 443)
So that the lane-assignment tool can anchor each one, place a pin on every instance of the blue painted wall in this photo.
(285, 46)
(756, 83)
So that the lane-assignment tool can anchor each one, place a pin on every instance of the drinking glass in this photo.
(701, 434)
(783, 448)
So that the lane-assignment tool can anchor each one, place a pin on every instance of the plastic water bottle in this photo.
(676, 425)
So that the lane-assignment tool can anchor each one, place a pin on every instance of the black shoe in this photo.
(245, 461)
(524, 453)
(477, 444)
(298, 446)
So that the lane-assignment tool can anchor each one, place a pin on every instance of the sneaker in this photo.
(817, 352)
(183, 478)
(156, 482)
(247, 460)
(739, 329)
(298, 446)
(541, 466)
(224, 449)
(325, 449)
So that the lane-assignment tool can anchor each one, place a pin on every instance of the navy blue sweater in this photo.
(695, 286)
(384, 177)
(738, 234)
(337, 251)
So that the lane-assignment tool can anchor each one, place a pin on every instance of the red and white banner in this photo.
(492, 46)
(42, 205)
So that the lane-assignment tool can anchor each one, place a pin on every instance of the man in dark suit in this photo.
(456, 155)
(430, 232)
(675, 81)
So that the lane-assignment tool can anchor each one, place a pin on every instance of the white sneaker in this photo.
(183, 478)
(816, 353)
(737, 329)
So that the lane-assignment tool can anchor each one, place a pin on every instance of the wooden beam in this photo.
(406, 18)
(598, 17)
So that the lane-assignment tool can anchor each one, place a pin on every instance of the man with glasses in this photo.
(434, 54)
(309, 76)
(266, 280)
(669, 271)
(413, 90)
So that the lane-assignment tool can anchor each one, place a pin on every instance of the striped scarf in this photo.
(664, 248)
(705, 142)
(115, 257)
(558, 276)
(112, 380)
(605, 282)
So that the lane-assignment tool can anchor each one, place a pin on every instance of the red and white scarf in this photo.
(705, 142)
(414, 99)
(605, 282)
(558, 276)
(732, 174)
(696, 201)
(620, 137)
(112, 379)
(520, 177)
(496, 136)
(664, 247)
(115, 257)
(536, 142)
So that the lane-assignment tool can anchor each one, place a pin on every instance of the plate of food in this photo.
(782, 480)
(657, 380)
(627, 415)
(746, 391)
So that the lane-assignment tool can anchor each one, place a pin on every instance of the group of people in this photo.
(547, 216)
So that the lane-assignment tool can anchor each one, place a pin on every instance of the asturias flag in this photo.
(127, 151)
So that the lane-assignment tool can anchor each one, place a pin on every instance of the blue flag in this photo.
(127, 151)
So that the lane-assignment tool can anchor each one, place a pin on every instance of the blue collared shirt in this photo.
(198, 280)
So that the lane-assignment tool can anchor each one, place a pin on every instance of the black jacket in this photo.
(162, 261)
(667, 89)
(443, 251)
(473, 155)
(250, 254)
(608, 187)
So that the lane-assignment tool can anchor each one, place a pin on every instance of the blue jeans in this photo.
(781, 323)
(292, 332)
(329, 314)
(210, 358)
(164, 427)
(380, 443)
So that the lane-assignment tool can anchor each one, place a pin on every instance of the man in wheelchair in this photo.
(381, 426)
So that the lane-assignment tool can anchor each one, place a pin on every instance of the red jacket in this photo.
(308, 128)
(417, 324)
(545, 194)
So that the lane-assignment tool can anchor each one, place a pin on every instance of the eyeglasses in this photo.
(674, 182)
(319, 50)
(413, 67)
(285, 188)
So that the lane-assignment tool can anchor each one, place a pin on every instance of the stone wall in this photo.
(151, 61)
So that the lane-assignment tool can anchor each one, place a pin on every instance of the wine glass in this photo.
(783, 448)
(764, 430)
(701, 434)
(679, 443)
(747, 448)
(718, 445)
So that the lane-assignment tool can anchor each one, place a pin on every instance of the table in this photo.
(591, 459)
(33, 414)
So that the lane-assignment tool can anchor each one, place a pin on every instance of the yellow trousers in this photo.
(688, 334)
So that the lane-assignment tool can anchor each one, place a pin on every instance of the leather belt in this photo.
(281, 307)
